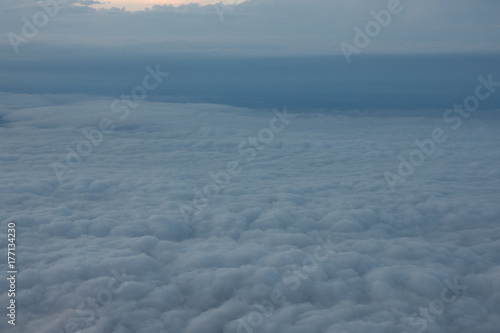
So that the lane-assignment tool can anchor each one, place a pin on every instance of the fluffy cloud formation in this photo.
(260, 27)
(307, 237)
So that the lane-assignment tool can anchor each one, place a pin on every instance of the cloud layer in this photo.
(106, 249)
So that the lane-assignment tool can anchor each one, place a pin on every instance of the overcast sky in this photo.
(108, 49)
(259, 27)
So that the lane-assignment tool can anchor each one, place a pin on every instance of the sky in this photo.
(272, 166)
(205, 46)
(258, 27)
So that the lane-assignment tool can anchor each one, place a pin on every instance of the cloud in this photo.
(267, 27)
(107, 248)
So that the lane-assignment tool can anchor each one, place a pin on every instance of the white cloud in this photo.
(322, 176)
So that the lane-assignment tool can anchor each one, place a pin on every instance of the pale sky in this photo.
(254, 27)
(134, 5)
